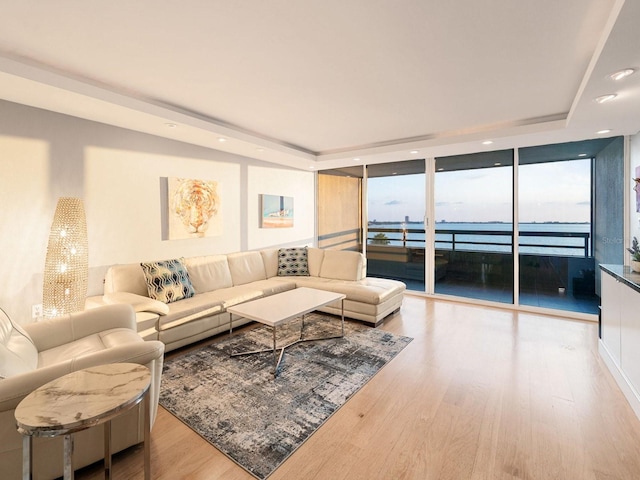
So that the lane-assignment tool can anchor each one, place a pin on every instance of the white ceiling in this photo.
(315, 84)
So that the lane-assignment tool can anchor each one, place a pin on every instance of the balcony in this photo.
(555, 267)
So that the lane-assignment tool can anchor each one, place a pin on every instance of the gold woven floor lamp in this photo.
(67, 263)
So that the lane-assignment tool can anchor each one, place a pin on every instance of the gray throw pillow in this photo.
(293, 262)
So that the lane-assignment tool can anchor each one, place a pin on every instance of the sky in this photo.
(548, 192)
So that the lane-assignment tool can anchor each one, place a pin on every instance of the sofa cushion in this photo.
(246, 267)
(369, 290)
(189, 309)
(126, 278)
(209, 273)
(87, 345)
(293, 262)
(18, 354)
(342, 265)
(138, 302)
(315, 257)
(270, 260)
(167, 280)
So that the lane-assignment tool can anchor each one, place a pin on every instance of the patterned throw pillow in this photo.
(168, 280)
(293, 262)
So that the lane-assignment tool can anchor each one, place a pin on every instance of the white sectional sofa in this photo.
(221, 281)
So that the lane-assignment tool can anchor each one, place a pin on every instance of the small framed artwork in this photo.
(277, 211)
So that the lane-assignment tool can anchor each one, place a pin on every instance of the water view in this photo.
(548, 238)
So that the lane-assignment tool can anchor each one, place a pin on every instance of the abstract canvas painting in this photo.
(193, 208)
(277, 211)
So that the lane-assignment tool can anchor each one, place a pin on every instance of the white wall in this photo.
(118, 174)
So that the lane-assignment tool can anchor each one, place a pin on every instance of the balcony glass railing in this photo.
(556, 268)
(546, 242)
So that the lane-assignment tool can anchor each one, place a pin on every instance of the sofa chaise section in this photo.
(368, 299)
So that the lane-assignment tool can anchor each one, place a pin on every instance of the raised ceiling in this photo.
(316, 84)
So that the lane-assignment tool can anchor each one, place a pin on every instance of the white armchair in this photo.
(37, 353)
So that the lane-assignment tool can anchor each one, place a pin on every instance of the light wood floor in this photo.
(480, 393)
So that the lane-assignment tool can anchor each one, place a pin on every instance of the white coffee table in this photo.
(282, 307)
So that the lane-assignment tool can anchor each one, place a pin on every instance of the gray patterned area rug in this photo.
(257, 420)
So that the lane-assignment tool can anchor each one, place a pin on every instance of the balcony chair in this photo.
(37, 353)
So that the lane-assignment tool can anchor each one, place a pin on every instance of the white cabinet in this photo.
(630, 335)
(611, 292)
(620, 329)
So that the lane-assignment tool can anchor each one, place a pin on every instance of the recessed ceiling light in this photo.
(601, 132)
(170, 125)
(260, 149)
(582, 154)
(222, 139)
(440, 169)
(311, 167)
(487, 142)
(357, 159)
(620, 74)
(497, 164)
(394, 173)
(605, 98)
(413, 152)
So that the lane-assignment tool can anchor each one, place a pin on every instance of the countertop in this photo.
(624, 274)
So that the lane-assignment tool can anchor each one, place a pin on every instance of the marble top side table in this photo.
(81, 400)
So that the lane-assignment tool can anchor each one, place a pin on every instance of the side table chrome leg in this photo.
(107, 450)
(68, 457)
(342, 314)
(147, 436)
(27, 457)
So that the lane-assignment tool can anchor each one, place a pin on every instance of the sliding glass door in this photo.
(556, 263)
(446, 225)
(474, 226)
(395, 225)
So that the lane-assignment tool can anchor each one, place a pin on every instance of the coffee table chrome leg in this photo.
(230, 333)
(27, 457)
(276, 361)
(68, 457)
(107, 450)
(342, 314)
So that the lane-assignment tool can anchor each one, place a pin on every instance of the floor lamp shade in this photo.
(67, 263)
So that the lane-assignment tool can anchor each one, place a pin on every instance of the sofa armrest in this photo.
(138, 302)
(58, 331)
(14, 389)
